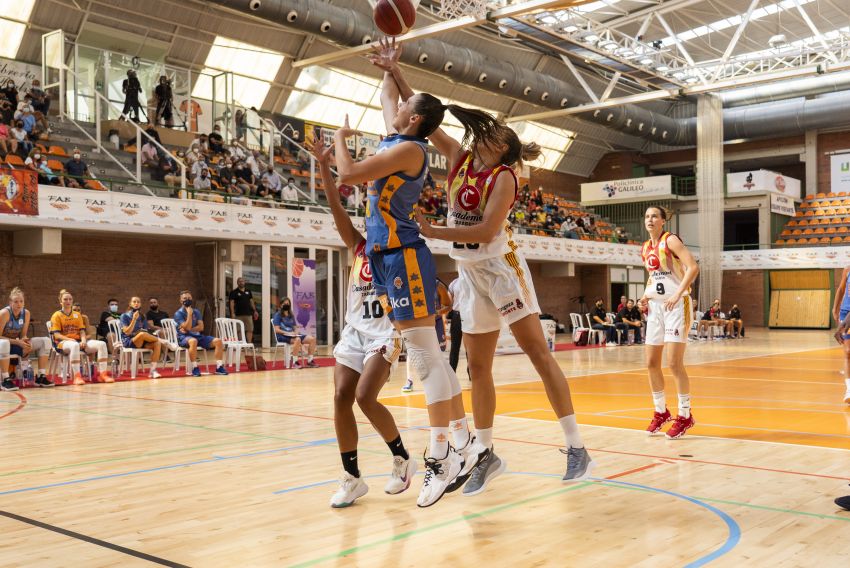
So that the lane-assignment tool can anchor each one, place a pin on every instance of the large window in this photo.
(253, 69)
(13, 17)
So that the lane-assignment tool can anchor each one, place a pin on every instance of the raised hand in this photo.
(346, 131)
(386, 54)
(319, 149)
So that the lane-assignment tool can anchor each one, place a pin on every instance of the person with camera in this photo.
(10, 91)
(137, 334)
(40, 99)
(164, 102)
(132, 89)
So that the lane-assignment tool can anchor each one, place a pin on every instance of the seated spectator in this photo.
(110, 314)
(590, 226)
(289, 192)
(190, 328)
(14, 327)
(40, 99)
(216, 142)
(236, 151)
(246, 178)
(285, 328)
(710, 318)
(37, 162)
(225, 168)
(29, 122)
(154, 316)
(8, 143)
(255, 164)
(137, 334)
(20, 137)
(166, 171)
(599, 321)
(7, 110)
(70, 337)
(735, 321)
(621, 305)
(629, 314)
(202, 181)
(75, 170)
(620, 235)
(270, 183)
(150, 154)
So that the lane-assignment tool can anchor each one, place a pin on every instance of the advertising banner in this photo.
(304, 294)
(762, 180)
(21, 73)
(840, 168)
(782, 205)
(631, 189)
(18, 192)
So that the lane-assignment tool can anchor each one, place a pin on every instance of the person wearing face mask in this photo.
(11, 92)
(290, 191)
(286, 330)
(599, 321)
(40, 99)
(190, 335)
(137, 335)
(246, 178)
(216, 142)
(76, 169)
(38, 163)
(254, 163)
(154, 316)
(111, 313)
(736, 324)
(202, 181)
(271, 186)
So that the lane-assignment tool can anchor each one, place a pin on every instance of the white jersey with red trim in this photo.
(468, 194)
(666, 271)
(364, 311)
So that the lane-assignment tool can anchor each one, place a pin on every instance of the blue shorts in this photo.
(841, 315)
(204, 341)
(16, 350)
(406, 281)
(288, 338)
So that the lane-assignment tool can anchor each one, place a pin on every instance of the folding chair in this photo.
(287, 349)
(169, 327)
(611, 317)
(59, 362)
(598, 333)
(232, 334)
(124, 354)
(577, 325)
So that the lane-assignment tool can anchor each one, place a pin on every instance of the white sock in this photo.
(153, 366)
(42, 371)
(660, 401)
(101, 366)
(685, 405)
(460, 433)
(484, 437)
(570, 427)
(309, 358)
(847, 382)
(439, 447)
(219, 363)
(191, 365)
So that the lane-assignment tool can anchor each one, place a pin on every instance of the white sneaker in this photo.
(155, 374)
(402, 475)
(439, 474)
(408, 386)
(350, 489)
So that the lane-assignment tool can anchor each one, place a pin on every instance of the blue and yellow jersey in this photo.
(390, 201)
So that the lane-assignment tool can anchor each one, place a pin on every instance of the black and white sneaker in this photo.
(43, 382)
(472, 455)
(439, 474)
(8, 385)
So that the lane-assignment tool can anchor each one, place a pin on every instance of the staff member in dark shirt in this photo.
(735, 321)
(155, 316)
(599, 321)
(630, 315)
(75, 170)
(242, 308)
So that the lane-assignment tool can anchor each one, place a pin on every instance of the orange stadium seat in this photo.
(820, 195)
(843, 230)
(96, 185)
(841, 211)
(14, 160)
(809, 232)
(831, 230)
(835, 202)
(780, 241)
(824, 240)
(846, 239)
(809, 197)
(57, 151)
(55, 165)
(835, 240)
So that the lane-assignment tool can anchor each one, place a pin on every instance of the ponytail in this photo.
(432, 110)
(62, 292)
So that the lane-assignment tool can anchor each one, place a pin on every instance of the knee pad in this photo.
(426, 362)
(454, 383)
(4, 348)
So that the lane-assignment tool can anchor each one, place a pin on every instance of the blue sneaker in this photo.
(221, 371)
(196, 372)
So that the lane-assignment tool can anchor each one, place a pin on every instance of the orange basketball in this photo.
(395, 17)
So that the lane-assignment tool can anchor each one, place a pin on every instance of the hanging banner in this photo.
(437, 163)
(304, 295)
(367, 145)
(782, 205)
(22, 74)
(18, 192)
(762, 181)
(840, 168)
(328, 136)
(627, 189)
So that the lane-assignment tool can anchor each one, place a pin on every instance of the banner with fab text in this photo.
(304, 295)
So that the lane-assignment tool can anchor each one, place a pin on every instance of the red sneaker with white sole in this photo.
(680, 426)
(658, 421)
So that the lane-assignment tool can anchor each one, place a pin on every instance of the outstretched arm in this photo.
(350, 235)
(406, 157)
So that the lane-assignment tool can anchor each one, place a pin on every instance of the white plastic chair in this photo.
(598, 333)
(611, 317)
(169, 327)
(577, 325)
(232, 334)
(132, 355)
(59, 362)
(287, 348)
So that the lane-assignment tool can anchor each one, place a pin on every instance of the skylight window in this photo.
(554, 141)
(13, 15)
(252, 67)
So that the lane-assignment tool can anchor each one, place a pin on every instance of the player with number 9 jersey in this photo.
(666, 272)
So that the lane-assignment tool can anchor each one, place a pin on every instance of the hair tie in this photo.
(444, 107)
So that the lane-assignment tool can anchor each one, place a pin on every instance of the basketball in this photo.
(395, 17)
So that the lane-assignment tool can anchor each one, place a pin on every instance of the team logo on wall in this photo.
(652, 261)
(398, 283)
(779, 182)
(469, 197)
(609, 190)
(366, 272)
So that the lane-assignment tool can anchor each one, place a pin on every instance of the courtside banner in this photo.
(840, 170)
(634, 189)
(18, 192)
(762, 181)
(797, 257)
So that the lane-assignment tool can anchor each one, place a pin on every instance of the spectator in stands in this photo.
(190, 327)
(246, 178)
(155, 316)
(131, 89)
(225, 168)
(271, 186)
(70, 336)
(620, 235)
(202, 182)
(75, 170)
(255, 164)
(8, 143)
(242, 307)
(236, 151)
(216, 142)
(25, 115)
(7, 110)
(736, 324)
(37, 162)
(590, 226)
(110, 314)
(10, 91)
(621, 305)
(599, 321)
(167, 170)
(150, 154)
(239, 124)
(629, 314)
(285, 328)
(20, 136)
(137, 334)
(40, 99)
(290, 190)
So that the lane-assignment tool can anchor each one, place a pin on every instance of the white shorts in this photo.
(494, 290)
(663, 326)
(354, 349)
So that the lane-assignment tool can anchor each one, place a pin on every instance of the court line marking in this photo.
(636, 395)
(92, 540)
(731, 541)
(22, 402)
(726, 378)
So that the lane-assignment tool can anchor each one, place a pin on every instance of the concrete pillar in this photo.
(811, 159)
(710, 194)
(37, 242)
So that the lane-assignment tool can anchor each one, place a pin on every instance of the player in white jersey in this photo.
(667, 304)
(365, 355)
(494, 280)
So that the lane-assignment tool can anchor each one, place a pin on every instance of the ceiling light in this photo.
(662, 68)
(591, 38)
(691, 80)
(646, 61)
(570, 28)
(608, 44)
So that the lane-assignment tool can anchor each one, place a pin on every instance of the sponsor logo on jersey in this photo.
(652, 261)
(519, 304)
(400, 302)
(397, 282)
(508, 308)
(469, 198)
(365, 271)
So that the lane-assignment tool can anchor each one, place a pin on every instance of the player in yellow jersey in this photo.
(669, 312)
(69, 335)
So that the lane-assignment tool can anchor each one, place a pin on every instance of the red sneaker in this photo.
(680, 426)
(658, 421)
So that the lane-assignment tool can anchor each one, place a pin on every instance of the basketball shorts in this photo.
(668, 326)
(354, 349)
(843, 314)
(492, 291)
(405, 280)
(204, 341)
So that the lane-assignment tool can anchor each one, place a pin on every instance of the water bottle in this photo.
(26, 372)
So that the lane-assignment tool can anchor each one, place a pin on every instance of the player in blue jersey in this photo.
(403, 269)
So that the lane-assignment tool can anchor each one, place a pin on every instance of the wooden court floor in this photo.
(237, 471)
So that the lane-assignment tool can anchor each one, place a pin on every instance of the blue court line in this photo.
(731, 541)
(313, 444)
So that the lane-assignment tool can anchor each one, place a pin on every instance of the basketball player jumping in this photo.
(667, 304)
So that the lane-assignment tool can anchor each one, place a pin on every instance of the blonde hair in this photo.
(62, 292)
(16, 291)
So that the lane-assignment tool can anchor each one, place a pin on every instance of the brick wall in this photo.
(745, 288)
(95, 268)
(559, 183)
